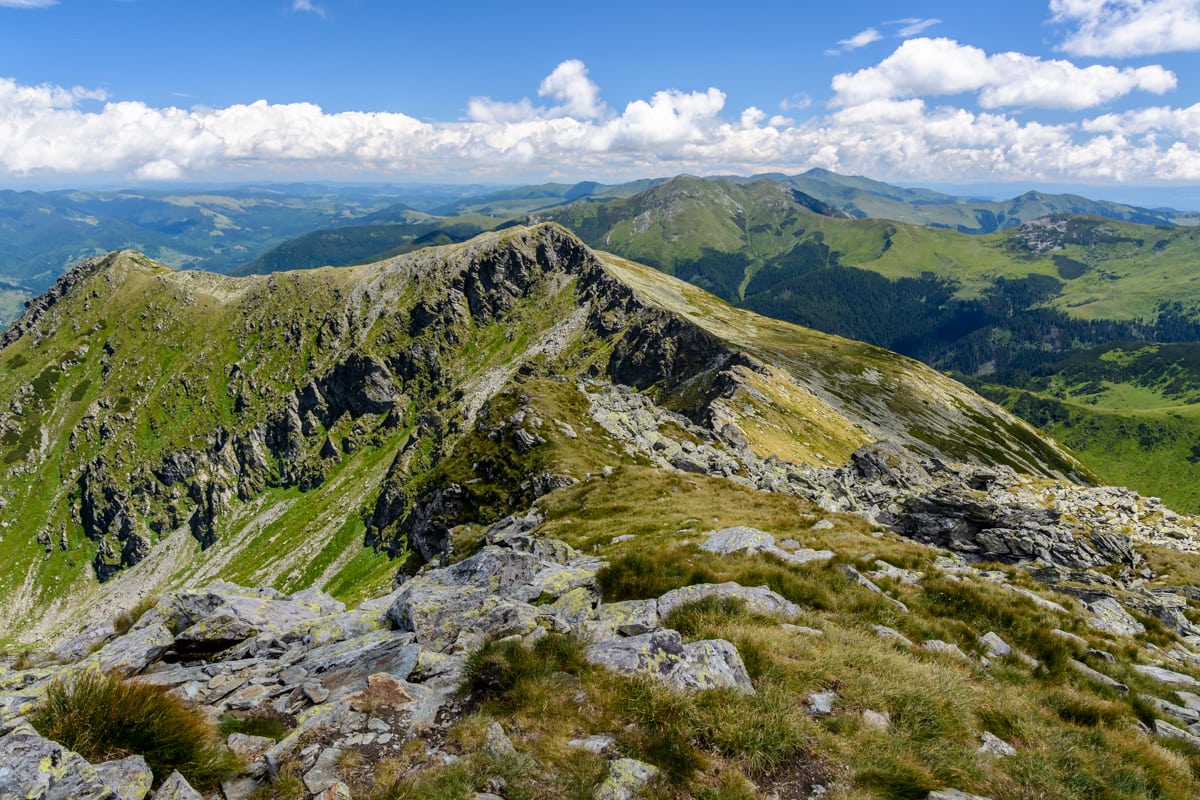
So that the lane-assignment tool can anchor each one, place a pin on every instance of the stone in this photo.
(240, 788)
(130, 778)
(1107, 615)
(953, 794)
(223, 614)
(752, 540)
(801, 630)
(862, 580)
(133, 652)
(938, 646)
(820, 703)
(822, 525)
(488, 594)
(76, 647)
(884, 632)
(885, 570)
(176, 787)
(32, 766)
(995, 747)
(1189, 716)
(1189, 699)
(324, 773)
(625, 778)
(661, 655)
(251, 750)
(733, 540)
(1038, 600)
(1099, 677)
(496, 741)
(1166, 675)
(1169, 731)
(338, 791)
(757, 599)
(627, 618)
(597, 744)
(1070, 637)
(993, 645)
(876, 721)
(575, 606)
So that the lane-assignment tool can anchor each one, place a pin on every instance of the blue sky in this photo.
(1027, 92)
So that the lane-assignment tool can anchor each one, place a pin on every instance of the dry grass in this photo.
(103, 716)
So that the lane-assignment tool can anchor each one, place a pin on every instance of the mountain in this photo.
(998, 307)
(866, 198)
(212, 228)
(175, 407)
(514, 517)
(511, 203)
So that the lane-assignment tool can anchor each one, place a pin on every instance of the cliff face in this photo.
(281, 423)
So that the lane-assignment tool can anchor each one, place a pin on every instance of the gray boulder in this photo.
(176, 787)
(662, 655)
(758, 599)
(626, 777)
(134, 651)
(32, 766)
(1107, 615)
(130, 778)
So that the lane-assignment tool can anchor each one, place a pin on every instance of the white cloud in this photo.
(308, 6)
(577, 95)
(27, 3)
(932, 67)
(58, 133)
(911, 26)
(861, 39)
(795, 102)
(1125, 28)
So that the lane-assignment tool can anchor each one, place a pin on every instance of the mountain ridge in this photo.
(264, 387)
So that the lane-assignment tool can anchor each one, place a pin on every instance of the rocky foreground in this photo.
(378, 678)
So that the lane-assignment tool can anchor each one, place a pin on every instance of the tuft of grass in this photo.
(897, 778)
(641, 576)
(103, 716)
(127, 619)
(261, 722)
(505, 671)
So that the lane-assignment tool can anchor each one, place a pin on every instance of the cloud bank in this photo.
(1125, 28)
(883, 121)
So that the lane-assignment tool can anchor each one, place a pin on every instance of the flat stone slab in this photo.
(1166, 675)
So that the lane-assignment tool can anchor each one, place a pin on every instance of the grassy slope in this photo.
(1074, 739)
(852, 392)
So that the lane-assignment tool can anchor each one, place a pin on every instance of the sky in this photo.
(1024, 93)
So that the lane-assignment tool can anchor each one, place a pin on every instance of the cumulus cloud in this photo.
(930, 67)
(59, 133)
(577, 95)
(1125, 28)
